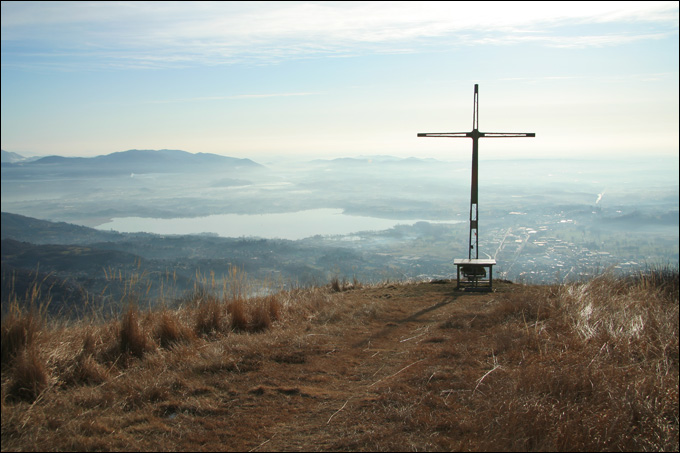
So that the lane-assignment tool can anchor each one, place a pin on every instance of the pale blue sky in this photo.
(328, 79)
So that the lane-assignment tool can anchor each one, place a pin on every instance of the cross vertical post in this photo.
(475, 135)
(474, 185)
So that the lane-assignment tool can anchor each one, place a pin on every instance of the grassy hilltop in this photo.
(394, 366)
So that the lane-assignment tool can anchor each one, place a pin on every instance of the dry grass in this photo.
(19, 331)
(132, 339)
(21, 326)
(210, 315)
(29, 376)
(584, 366)
(337, 285)
(237, 311)
(170, 330)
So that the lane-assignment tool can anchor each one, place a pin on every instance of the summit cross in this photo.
(475, 135)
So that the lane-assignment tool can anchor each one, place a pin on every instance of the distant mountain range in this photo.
(171, 160)
(128, 162)
(10, 158)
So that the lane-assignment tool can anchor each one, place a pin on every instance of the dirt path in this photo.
(330, 393)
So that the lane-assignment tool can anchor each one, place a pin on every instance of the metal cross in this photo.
(475, 135)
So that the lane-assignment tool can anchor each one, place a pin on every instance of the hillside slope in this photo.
(389, 367)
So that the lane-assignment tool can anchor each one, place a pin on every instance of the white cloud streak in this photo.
(152, 34)
(230, 97)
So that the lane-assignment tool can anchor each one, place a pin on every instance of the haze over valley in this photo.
(372, 218)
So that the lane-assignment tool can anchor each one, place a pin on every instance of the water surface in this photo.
(290, 225)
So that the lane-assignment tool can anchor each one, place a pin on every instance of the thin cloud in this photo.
(229, 97)
(272, 95)
(177, 34)
(566, 41)
(606, 79)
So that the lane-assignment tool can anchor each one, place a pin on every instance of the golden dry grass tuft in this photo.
(29, 376)
(209, 313)
(237, 311)
(132, 338)
(170, 330)
(19, 331)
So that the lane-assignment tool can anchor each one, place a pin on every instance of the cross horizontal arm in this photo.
(507, 134)
(444, 134)
(478, 134)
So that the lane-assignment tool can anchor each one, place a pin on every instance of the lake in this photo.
(290, 225)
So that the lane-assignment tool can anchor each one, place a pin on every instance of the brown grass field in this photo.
(589, 366)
